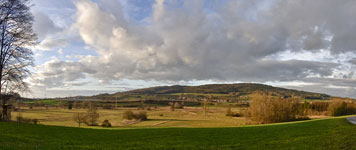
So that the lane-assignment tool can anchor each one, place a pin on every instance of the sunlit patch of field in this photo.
(160, 117)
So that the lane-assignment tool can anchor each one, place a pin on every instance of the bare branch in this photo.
(16, 35)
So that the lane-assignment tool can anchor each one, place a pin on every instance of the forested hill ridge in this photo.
(239, 89)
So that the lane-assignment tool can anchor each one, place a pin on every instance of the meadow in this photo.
(174, 125)
(331, 133)
(159, 117)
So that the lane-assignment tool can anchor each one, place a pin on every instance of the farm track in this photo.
(159, 123)
(352, 119)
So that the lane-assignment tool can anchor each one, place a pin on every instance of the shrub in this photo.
(228, 111)
(35, 121)
(337, 108)
(320, 106)
(148, 108)
(142, 115)
(232, 114)
(351, 108)
(178, 106)
(171, 104)
(270, 109)
(70, 105)
(235, 114)
(340, 108)
(106, 124)
(129, 115)
(20, 119)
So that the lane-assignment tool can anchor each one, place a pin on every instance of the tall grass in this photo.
(265, 108)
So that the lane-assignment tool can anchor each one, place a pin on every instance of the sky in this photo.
(89, 47)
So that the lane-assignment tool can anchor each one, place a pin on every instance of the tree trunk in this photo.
(3, 102)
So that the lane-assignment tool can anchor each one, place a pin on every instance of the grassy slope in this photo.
(321, 134)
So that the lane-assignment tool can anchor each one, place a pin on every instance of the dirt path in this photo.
(352, 119)
(162, 122)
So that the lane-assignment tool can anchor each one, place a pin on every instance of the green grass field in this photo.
(335, 133)
(46, 102)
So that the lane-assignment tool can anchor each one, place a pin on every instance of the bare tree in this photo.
(16, 36)
(80, 118)
(205, 106)
(92, 115)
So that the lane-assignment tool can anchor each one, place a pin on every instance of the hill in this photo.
(225, 91)
(335, 133)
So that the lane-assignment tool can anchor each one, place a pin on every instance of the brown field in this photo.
(160, 117)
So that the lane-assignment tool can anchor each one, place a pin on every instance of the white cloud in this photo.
(187, 43)
(60, 51)
(54, 72)
(50, 44)
(237, 41)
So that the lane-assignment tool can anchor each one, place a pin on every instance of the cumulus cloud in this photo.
(51, 34)
(53, 73)
(187, 43)
(51, 43)
(230, 42)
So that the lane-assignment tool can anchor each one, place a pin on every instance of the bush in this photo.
(340, 108)
(228, 111)
(270, 109)
(142, 115)
(320, 106)
(178, 106)
(70, 105)
(232, 114)
(235, 114)
(106, 124)
(35, 121)
(20, 119)
(171, 106)
(129, 115)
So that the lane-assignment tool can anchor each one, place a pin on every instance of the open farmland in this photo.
(160, 117)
